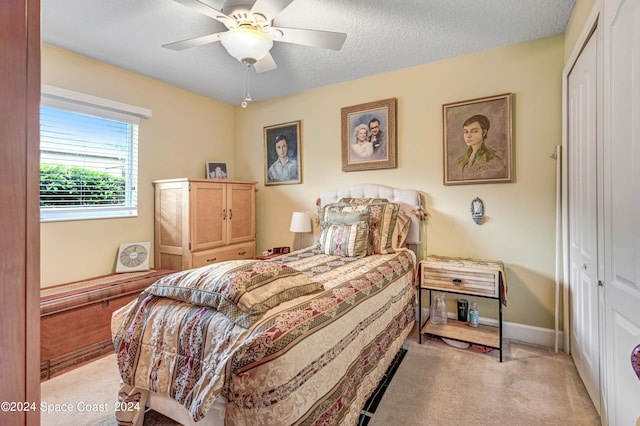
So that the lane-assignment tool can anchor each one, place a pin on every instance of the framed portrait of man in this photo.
(477, 140)
(282, 154)
(369, 136)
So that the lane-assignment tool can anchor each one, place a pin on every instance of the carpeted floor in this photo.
(435, 384)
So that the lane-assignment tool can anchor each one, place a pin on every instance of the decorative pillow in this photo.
(242, 290)
(346, 240)
(401, 230)
(383, 222)
(344, 213)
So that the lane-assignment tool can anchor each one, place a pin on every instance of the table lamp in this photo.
(300, 224)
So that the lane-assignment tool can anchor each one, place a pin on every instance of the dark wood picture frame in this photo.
(373, 151)
(216, 170)
(289, 171)
(478, 146)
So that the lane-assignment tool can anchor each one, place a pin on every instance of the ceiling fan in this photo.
(251, 33)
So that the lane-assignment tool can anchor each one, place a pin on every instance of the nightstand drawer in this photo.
(460, 279)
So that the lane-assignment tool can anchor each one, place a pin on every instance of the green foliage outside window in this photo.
(77, 186)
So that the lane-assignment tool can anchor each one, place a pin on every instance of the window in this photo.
(88, 156)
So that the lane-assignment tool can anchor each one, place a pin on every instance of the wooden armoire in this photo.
(201, 221)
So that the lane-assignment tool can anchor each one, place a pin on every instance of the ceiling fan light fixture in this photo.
(246, 43)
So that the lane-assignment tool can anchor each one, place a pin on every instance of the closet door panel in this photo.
(621, 193)
(583, 219)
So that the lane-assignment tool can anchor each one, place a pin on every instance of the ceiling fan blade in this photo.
(265, 64)
(314, 38)
(209, 11)
(270, 8)
(193, 42)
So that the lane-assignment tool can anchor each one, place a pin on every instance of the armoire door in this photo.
(241, 201)
(583, 218)
(209, 215)
(621, 66)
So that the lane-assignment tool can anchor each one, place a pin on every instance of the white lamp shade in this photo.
(300, 222)
(246, 43)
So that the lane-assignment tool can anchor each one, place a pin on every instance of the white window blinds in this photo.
(88, 156)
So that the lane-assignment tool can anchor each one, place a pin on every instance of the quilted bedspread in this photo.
(310, 360)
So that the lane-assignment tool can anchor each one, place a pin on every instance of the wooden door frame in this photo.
(19, 210)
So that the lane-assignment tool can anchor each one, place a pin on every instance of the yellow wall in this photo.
(185, 131)
(575, 26)
(520, 224)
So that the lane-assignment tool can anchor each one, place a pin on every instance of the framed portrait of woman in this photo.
(282, 154)
(369, 136)
(478, 140)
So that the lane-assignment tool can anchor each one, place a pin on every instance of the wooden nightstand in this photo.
(469, 277)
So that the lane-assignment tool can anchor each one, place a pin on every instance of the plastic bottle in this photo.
(439, 309)
(474, 316)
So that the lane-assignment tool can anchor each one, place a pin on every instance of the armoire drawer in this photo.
(236, 251)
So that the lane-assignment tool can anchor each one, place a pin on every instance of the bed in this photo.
(303, 338)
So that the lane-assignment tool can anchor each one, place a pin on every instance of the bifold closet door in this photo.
(583, 218)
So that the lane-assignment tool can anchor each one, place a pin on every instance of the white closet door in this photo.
(621, 46)
(583, 219)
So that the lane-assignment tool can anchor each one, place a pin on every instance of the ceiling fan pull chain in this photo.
(247, 95)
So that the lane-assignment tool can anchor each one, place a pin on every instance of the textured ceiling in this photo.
(382, 36)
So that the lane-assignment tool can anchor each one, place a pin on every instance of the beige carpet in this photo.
(436, 384)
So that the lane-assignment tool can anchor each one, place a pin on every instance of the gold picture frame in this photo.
(478, 146)
(282, 154)
(374, 148)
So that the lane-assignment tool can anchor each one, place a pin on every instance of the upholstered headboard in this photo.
(410, 201)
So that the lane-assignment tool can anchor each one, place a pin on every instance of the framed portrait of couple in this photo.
(478, 140)
(282, 154)
(369, 136)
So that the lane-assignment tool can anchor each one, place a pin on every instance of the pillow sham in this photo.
(242, 290)
(401, 230)
(345, 240)
(383, 222)
(344, 213)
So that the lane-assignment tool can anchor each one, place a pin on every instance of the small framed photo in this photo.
(282, 154)
(478, 141)
(369, 136)
(216, 170)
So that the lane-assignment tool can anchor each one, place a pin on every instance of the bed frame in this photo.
(409, 199)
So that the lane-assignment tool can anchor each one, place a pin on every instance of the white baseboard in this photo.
(520, 332)
(527, 333)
